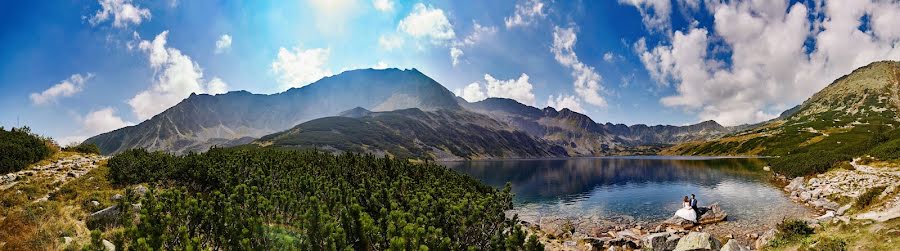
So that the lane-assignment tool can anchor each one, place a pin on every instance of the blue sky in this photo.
(73, 69)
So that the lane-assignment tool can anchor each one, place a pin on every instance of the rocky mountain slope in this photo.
(580, 135)
(442, 134)
(857, 114)
(238, 118)
(201, 121)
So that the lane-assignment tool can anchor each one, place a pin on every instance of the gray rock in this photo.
(67, 240)
(698, 241)
(765, 238)
(713, 214)
(659, 242)
(733, 245)
(116, 197)
(796, 184)
(140, 190)
(805, 196)
(843, 209)
(826, 217)
(108, 246)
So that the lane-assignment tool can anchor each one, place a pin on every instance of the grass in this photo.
(867, 198)
(29, 225)
(858, 235)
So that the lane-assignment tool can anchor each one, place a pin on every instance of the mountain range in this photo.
(390, 112)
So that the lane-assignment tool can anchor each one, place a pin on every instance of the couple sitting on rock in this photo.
(689, 210)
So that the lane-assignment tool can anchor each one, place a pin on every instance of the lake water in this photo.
(645, 188)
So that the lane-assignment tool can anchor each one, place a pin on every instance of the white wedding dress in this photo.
(687, 212)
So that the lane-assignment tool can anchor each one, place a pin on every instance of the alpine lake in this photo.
(607, 191)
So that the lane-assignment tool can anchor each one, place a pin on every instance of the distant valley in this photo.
(393, 112)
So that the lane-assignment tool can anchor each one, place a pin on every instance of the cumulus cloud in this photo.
(655, 14)
(175, 77)
(471, 93)
(769, 66)
(93, 123)
(518, 89)
(383, 5)
(380, 65)
(427, 22)
(455, 53)
(68, 87)
(565, 101)
(526, 13)
(586, 79)
(223, 44)
(611, 57)
(390, 42)
(122, 13)
(298, 67)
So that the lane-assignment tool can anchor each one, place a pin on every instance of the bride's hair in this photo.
(686, 199)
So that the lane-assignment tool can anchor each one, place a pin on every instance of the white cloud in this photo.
(223, 44)
(175, 77)
(655, 14)
(769, 67)
(390, 42)
(455, 53)
(380, 65)
(526, 13)
(471, 92)
(95, 122)
(611, 57)
(298, 67)
(383, 5)
(479, 32)
(518, 89)
(586, 79)
(216, 86)
(122, 12)
(427, 22)
(332, 16)
(565, 101)
(68, 87)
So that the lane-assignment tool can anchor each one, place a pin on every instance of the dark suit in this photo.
(694, 206)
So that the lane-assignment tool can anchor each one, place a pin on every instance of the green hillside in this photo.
(855, 115)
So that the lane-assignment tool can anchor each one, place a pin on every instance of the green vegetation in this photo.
(793, 229)
(20, 148)
(263, 199)
(858, 235)
(866, 199)
(83, 148)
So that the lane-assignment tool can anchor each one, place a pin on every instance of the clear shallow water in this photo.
(647, 188)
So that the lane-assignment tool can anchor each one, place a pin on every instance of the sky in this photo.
(75, 68)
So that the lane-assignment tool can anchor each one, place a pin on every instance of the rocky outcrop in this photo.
(733, 245)
(698, 241)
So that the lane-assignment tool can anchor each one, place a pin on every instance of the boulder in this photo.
(698, 241)
(805, 196)
(658, 242)
(843, 209)
(712, 214)
(140, 190)
(796, 184)
(116, 197)
(826, 217)
(105, 217)
(108, 246)
(733, 245)
(678, 222)
(764, 239)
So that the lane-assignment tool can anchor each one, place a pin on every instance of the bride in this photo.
(686, 211)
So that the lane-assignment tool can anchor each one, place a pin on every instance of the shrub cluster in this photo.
(20, 148)
(793, 229)
(289, 199)
(83, 148)
(866, 199)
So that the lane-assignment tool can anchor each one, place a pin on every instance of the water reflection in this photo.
(643, 187)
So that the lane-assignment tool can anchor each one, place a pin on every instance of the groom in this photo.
(694, 205)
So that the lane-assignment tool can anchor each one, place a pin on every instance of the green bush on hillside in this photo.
(247, 198)
(83, 148)
(793, 229)
(20, 148)
(866, 199)
(888, 151)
